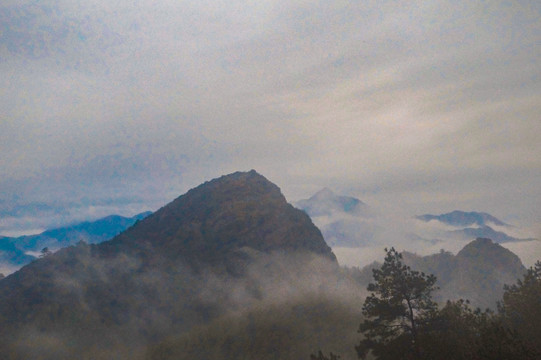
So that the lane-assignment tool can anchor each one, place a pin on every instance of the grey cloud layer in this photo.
(419, 101)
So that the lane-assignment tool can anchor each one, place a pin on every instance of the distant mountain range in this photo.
(347, 222)
(463, 219)
(473, 224)
(14, 251)
(91, 232)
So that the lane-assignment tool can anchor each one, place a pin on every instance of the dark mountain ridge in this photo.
(471, 225)
(14, 250)
(91, 232)
(463, 218)
(219, 247)
(487, 232)
(224, 215)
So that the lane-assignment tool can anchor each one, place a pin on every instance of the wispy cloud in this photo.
(432, 105)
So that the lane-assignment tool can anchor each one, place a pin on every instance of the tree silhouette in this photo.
(45, 252)
(396, 311)
(521, 307)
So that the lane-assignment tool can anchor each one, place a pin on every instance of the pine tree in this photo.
(397, 310)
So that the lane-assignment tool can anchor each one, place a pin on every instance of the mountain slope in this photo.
(223, 215)
(220, 247)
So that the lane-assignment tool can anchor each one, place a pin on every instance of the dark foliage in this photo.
(320, 356)
(459, 332)
(456, 331)
(521, 307)
(287, 331)
(397, 310)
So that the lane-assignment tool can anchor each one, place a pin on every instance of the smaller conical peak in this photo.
(482, 242)
(486, 248)
(479, 246)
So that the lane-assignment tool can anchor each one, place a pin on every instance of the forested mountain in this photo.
(228, 246)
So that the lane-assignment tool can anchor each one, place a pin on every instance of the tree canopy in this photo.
(398, 307)
(521, 307)
(402, 321)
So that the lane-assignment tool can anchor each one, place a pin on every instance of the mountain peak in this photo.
(477, 273)
(485, 250)
(251, 184)
(235, 211)
(211, 251)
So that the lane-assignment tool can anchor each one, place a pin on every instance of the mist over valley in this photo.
(228, 269)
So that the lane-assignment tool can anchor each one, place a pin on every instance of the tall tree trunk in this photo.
(413, 331)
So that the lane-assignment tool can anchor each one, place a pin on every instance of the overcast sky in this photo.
(121, 106)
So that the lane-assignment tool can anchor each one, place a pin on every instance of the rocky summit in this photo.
(219, 217)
